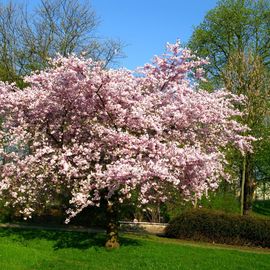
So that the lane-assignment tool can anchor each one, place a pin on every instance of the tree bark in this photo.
(112, 226)
(264, 190)
(247, 188)
(243, 180)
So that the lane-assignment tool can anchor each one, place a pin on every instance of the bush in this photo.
(218, 227)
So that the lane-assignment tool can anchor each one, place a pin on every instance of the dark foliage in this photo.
(262, 207)
(218, 227)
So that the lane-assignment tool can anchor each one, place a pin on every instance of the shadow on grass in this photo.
(63, 239)
(262, 207)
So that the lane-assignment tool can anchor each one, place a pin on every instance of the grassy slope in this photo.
(36, 249)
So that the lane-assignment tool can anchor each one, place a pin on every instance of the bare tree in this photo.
(29, 39)
(8, 41)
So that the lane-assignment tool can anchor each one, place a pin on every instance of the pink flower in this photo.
(80, 129)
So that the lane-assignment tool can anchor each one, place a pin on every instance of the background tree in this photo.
(29, 38)
(246, 74)
(236, 37)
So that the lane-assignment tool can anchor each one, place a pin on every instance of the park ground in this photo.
(23, 249)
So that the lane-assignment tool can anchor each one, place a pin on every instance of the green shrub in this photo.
(7, 213)
(218, 227)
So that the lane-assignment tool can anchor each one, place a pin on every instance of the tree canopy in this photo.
(233, 26)
(95, 133)
(235, 35)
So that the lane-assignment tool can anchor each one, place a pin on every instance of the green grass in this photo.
(41, 249)
(262, 207)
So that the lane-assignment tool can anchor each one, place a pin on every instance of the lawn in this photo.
(44, 249)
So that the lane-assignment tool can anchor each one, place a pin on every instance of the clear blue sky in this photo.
(146, 25)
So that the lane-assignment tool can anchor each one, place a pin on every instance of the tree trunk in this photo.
(112, 226)
(247, 188)
(264, 190)
(243, 180)
(195, 202)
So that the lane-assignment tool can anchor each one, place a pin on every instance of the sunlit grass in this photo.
(41, 249)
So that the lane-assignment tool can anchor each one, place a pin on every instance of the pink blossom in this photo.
(83, 130)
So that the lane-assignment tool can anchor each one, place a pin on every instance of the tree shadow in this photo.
(63, 239)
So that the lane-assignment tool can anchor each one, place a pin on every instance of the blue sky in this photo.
(146, 25)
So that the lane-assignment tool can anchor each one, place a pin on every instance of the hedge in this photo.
(218, 227)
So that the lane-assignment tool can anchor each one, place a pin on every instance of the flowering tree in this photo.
(95, 133)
